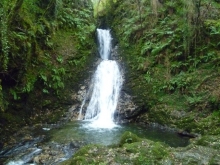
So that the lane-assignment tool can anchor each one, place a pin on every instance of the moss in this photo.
(12, 118)
(146, 147)
(128, 137)
(133, 151)
(159, 115)
(147, 152)
(89, 154)
(138, 148)
(55, 116)
(210, 141)
(159, 150)
(215, 160)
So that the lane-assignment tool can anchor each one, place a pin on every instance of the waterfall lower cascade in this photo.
(107, 82)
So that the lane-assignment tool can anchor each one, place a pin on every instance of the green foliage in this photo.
(172, 63)
(216, 114)
(32, 42)
(213, 29)
(180, 82)
(101, 7)
(193, 100)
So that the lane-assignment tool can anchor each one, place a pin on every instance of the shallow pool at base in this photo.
(82, 131)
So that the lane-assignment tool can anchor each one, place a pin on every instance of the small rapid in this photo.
(26, 158)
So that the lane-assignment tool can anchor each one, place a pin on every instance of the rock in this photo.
(134, 150)
(187, 134)
(126, 108)
(195, 154)
(75, 145)
(178, 114)
(27, 138)
(128, 137)
(1, 145)
(209, 141)
(74, 96)
(72, 108)
(82, 87)
(37, 160)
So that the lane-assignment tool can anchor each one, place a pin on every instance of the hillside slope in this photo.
(172, 52)
(44, 47)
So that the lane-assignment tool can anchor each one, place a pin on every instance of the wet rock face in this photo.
(126, 109)
(115, 54)
(54, 153)
(77, 99)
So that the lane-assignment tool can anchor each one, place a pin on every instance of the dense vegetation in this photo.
(44, 45)
(172, 52)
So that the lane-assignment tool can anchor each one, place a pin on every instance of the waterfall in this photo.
(104, 39)
(106, 85)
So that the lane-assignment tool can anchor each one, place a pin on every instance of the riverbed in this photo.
(50, 144)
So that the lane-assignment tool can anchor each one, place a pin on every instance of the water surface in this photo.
(81, 131)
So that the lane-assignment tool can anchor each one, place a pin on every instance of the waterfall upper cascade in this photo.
(106, 86)
(104, 38)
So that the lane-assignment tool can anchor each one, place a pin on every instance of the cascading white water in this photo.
(103, 103)
(104, 38)
(107, 83)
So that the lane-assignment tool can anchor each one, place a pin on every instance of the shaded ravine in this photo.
(52, 144)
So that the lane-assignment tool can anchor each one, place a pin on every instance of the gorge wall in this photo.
(171, 51)
(44, 48)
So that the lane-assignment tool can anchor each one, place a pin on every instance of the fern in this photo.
(4, 38)
(194, 99)
(146, 47)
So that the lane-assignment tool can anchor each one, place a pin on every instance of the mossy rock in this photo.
(144, 151)
(136, 151)
(128, 137)
(210, 141)
(90, 154)
(160, 115)
(147, 152)
(196, 154)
